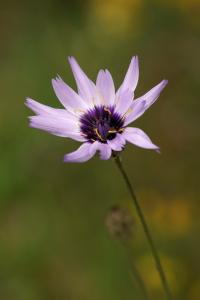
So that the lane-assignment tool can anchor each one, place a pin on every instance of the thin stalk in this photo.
(145, 228)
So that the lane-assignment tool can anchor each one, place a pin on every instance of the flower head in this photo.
(96, 115)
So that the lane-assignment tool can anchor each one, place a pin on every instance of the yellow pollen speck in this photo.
(101, 98)
(127, 113)
(78, 110)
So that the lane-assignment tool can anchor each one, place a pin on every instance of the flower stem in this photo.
(145, 228)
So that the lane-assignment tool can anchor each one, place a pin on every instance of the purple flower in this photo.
(97, 115)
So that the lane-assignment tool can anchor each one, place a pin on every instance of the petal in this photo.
(123, 102)
(132, 76)
(82, 154)
(134, 112)
(71, 100)
(105, 87)
(44, 110)
(139, 138)
(104, 149)
(57, 126)
(86, 87)
(118, 143)
(151, 96)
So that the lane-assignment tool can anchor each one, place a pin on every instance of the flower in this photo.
(97, 116)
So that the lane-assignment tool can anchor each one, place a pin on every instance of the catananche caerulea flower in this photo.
(97, 115)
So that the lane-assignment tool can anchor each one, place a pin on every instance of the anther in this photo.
(108, 110)
(112, 131)
(98, 134)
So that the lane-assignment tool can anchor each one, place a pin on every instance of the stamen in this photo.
(112, 131)
(98, 134)
(108, 110)
(101, 123)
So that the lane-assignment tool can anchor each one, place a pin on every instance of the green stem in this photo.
(146, 229)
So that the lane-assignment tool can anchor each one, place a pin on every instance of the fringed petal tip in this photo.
(158, 150)
(29, 102)
(86, 88)
(30, 122)
(38, 108)
(105, 86)
(56, 80)
(165, 82)
(132, 75)
(71, 58)
(162, 85)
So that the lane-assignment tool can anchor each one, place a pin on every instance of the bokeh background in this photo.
(53, 240)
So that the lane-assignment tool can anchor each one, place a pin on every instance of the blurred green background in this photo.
(53, 240)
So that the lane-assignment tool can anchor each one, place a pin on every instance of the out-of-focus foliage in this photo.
(53, 241)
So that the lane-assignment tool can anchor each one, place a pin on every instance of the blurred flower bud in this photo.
(120, 222)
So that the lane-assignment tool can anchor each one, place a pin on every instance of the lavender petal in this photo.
(139, 138)
(44, 110)
(104, 150)
(124, 101)
(135, 111)
(57, 126)
(151, 96)
(105, 86)
(118, 143)
(86, 87)
(82, 154)
(131, 77)
(71, 100)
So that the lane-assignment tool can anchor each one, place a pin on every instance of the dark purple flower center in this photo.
(101, 123)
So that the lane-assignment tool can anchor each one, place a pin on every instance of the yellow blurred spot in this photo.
(173, 270)
(173, 215)
(117, 16)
